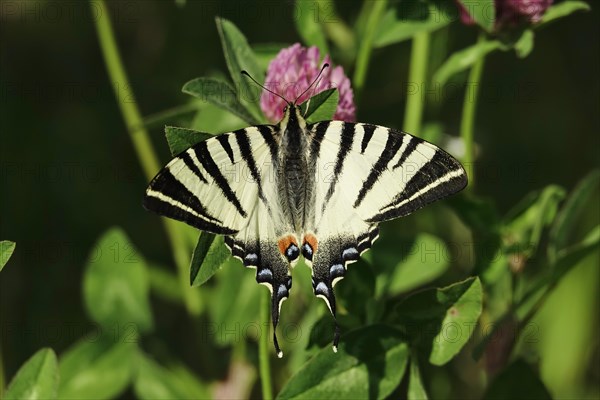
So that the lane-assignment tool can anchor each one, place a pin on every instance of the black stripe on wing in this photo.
(413, 142)
(318, 133)
(224, 140)
(369, 130)
(187, 159)
(389, 151)
(243, 143)
(203, 155)
(169, 197)
(439, 177)
(268, 134)
(346, 141)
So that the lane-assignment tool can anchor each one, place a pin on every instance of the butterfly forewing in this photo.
(213, 185)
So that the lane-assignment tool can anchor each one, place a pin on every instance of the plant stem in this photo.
(417, 77)
(365, 47)
(468, 116)
(139, 137)
(263, 347)
(336, 29)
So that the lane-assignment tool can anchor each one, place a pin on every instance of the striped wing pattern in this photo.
(215, 184)
(225, 185)
(363, 174)
(367, 174)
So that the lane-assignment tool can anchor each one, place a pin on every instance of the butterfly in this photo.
(294, 189)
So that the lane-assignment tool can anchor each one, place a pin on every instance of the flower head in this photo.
(293, 70)
(511, 12)
(514, 11)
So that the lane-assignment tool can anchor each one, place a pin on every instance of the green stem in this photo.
(263, 347)
(417, 78)
(365, 48)
(140, 138)
(336, 29)
(468, 115)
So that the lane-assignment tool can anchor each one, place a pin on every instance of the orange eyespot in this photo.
(312, 241)
(285, 242)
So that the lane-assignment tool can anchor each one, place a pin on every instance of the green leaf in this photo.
(370, 363)
(165, 284)
(6, 250)
(116, 285)
(482, 217)
(322, 106)
(524, 44)
(483, 12)
(309, 26)
(567, 260)
(517, 381)
(154, 381)
(356, 289)
(569, 218)
(219, 93)
(465, 58)
(236, 304)
(525, 222)
(416, 390)
(406, 19)
(215, 120)
(443, 319)
(427, 260)
(99, 367)
(561, 10)
(209, 256)
(181, 139)
(36, 379)
(239, 57)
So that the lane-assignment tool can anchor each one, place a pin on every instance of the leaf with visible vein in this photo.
(239, 57)
(181, 139)
(36, 379)
(219, 93)
(209, 255)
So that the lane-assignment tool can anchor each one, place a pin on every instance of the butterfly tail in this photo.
(329, 265)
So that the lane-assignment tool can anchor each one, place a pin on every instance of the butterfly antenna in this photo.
(268, 90)
(326, 65)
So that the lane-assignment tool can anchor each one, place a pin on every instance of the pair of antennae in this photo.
(326, 65)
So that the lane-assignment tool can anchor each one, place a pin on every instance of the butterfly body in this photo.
(291, 190)
(296, 186)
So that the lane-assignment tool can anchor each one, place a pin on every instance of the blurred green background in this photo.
(68, 170)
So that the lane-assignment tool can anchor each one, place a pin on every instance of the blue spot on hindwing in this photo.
(336, 271)
(322, 289)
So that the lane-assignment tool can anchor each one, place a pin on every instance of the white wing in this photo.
(226, 185)
(367, 174)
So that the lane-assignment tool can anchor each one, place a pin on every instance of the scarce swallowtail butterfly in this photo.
(291, 190)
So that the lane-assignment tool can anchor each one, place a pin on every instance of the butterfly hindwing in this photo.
(261, 245)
